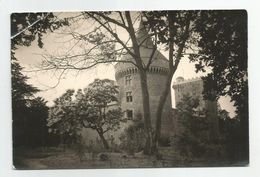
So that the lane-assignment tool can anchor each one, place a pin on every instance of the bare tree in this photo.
(105, 46)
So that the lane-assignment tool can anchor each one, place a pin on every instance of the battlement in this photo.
(134, 70)
(181, 80)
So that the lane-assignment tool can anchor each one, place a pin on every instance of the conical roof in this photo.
(143, 37)
(146, 48)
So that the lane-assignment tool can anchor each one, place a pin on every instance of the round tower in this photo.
(128, 80)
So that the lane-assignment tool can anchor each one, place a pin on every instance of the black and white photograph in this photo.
(129, 89)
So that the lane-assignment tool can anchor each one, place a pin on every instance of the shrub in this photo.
(164, 141)
(103, 157)
(132, 139)
(192, 141)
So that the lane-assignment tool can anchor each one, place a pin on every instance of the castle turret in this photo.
(128, 80)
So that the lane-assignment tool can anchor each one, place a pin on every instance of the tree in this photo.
(132, 139)
(89, 109)
(223, 47)
(216, 39)
(29, 113)
(25, 28)
(36, 126)
(103, 41)
(62, 119)
(173, 30)
(102, 49)
(21, 95)
(230, 133)
(193, 138)
(179, 31)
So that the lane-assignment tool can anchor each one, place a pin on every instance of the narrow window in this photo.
(129, 114)
(128, 80)
(129, 97)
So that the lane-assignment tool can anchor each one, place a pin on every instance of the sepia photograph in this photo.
(129, 89)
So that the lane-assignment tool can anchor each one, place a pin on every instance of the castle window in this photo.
(128, 80)
(129, 114)
(129, 97)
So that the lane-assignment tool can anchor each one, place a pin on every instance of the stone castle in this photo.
(128, 80)
(130, 93)
(191, 87)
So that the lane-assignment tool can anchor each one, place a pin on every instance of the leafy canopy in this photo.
(89, 109)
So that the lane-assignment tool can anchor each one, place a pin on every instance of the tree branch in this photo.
(122, 18)
(113, 34)
(110, 20)
(182, 45)
(137, 56)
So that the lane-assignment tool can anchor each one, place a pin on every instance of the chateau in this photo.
(130, 92)
(128, 80)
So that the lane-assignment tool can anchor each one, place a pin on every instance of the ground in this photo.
(68, 159)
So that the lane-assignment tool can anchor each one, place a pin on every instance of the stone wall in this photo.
(192, 87)
(156, 79)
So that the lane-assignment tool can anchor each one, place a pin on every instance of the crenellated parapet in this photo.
(134, 70)
(181, 81)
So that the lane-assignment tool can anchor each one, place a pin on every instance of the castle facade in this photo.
(128, 79)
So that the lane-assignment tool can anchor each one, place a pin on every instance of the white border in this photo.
(9, 6)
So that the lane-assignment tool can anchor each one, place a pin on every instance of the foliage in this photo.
(193, 139)
(164, 141)
(26, 27)
(231, 137)
(64, 110)
(223, 47)
(172, 30)
(21, 91)
(102, 44)
(217, 39)
(29, 113)
(89, 109)
(132, 139)
(29, 124)
(159, 24)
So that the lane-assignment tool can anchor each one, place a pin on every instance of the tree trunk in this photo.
(147, 113)
(159, 111)
(104, 141)
(144, 87)
(165, 92)
(172, 68)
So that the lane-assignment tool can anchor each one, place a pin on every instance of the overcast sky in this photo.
(56, 43)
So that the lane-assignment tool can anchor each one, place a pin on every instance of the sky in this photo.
(57, 43)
